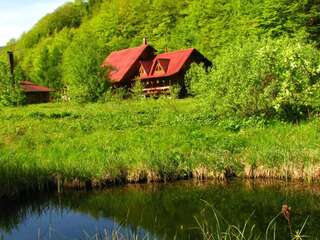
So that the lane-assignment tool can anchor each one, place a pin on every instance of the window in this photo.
(141, 71)
(158, 69)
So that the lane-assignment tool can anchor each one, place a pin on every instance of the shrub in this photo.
(176, 91)
(198, 81)
(10, 91)
(137, 90)
(272, 78)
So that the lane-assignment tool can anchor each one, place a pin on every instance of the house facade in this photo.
(157, 72)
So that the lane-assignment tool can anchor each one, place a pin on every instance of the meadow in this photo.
(63, 145)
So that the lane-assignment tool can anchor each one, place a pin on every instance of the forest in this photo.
(265, 52)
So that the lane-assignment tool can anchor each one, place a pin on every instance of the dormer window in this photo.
(142, 71)
(158, 69)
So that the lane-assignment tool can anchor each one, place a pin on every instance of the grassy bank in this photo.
(137, 141)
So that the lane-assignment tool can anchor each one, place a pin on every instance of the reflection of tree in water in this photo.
(174, 207)
(13, 212)
(169, 210)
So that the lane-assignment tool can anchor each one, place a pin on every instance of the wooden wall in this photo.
(37, 97)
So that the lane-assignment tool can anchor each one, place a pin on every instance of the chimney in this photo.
(145, 41)
(11, 63)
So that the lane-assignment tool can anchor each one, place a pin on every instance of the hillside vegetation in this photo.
(267, 51)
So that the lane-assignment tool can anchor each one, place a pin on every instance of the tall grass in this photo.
(50, 145)
(245, 232)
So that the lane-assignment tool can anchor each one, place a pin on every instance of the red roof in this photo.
(171, 62)
(125, 63)
(122, 61)
(28, 86)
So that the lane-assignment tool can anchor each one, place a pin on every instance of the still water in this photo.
(160, 211)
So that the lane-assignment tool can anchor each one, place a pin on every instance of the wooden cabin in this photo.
(35, 93)
(157, 72)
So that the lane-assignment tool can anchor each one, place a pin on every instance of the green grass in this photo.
(152, 140)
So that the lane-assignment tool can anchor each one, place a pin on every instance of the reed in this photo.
(245, 232)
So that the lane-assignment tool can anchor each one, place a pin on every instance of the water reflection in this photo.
(162, 211)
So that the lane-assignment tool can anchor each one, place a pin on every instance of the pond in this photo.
(162, 211)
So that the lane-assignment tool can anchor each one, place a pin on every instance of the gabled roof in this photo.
(124, 64)
(171, 62)
(28, 86)
(122, 61)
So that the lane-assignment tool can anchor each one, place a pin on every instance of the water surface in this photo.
(160, 211)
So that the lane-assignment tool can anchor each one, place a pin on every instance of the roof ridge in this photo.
(130, 48)
(175, 51)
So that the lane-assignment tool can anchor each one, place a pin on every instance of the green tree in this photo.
(82, 73)
(273, 78)
(137, 90)
(10, 91)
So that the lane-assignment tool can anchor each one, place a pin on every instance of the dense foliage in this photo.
(262, 78)
(10, 92)
(266, 50)
(85, 79)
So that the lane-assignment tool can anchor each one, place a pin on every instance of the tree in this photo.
(82, 73)
(271, 78)
(137, 90)
(10, 91)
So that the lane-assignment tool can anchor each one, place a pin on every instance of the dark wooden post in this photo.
(11, 64)
(145, 41)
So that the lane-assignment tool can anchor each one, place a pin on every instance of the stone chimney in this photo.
(145, 41)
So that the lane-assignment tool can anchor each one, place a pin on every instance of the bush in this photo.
(198, 81)
(272, 78)
(10, 91)
(137, 90)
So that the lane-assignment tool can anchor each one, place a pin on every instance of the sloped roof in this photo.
(172, 62)
(125, 63)
(122, 61)
(28, 86)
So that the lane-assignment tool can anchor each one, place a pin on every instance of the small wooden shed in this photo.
(35, 93)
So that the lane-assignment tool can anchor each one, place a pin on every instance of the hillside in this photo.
(266, 51)
(49, 52)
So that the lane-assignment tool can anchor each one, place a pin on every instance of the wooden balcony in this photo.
(156, 90)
